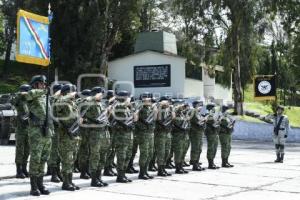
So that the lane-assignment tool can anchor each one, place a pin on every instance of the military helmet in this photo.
(56, 87)
(146, 95)
(210, 106)
(224, 108)
(68, 88)
(196, 102)
(110, 94)
(86, 92)
(38, 79)
(164, 98)
(122, 94)
(96, 90)
(24, 88)
(280, 107)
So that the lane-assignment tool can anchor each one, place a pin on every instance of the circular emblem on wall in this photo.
(264, 87)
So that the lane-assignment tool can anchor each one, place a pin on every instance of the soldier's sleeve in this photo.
(33, 94)
(287, 126)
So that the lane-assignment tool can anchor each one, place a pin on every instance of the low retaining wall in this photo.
(260, 131)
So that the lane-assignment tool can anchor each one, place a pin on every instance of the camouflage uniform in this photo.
(211, 133)
(163, 139)
(145, 138)
(124, 139)
(22, 146)
(225, 138)
(98, 140)
(196, 135)
(181, 136)
(67, 112)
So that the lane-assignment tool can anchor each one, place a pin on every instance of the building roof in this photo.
(148, 51)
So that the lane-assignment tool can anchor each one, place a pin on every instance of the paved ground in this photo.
(254, 177)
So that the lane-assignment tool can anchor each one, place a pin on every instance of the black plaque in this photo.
(152, 76)
(265, 87)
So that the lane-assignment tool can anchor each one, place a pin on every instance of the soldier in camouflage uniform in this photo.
(181, 126)
(226, 129)
(96, 121)
(163, 135)
(108, 169)
(54, 160)
(123, 126)
(145, 134)
(211, 133)
(39, 133)
(280, 132)
(84, 148)
(196, 134)
(22, 146)
(66, 112)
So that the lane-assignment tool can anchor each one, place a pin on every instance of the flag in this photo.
(265, 87)
(32, 39)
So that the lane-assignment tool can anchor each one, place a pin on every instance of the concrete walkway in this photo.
(255, 176)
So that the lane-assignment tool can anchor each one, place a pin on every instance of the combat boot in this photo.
(70, 175)
(100, 179)
(54, 177)
(281, 157)
(169, 164)
(41, 187)
(108, 171)
(277, 157)
(20, 173)
(121, 177)
(34, 187)
(66, 183)
(148, 175)
(178, 169)
(142, 174)
(95, 181)
(161, 171)
(225, 164)
(49, 172)
(211, 165)
(230, 165)
(197, 167)
(185, 164)
(184, 171)
(164, 169)
(24, 170)
(84, 174)
(152, 166)
(130, 169)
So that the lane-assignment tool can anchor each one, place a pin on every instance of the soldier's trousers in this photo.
(112, 149)
(172, 148)
(135, 145)
(162, 146)
(124, 140)
(84, 149)
(22, 146)
(54, 159)
(40, 147)
(212, 145)
(279, 141)
(186, 146)
(146, 145)
(99, 142)
(180, 139)
(225, 141)
(196, 136)
(68, 148)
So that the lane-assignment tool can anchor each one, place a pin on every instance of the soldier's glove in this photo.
(285, 136)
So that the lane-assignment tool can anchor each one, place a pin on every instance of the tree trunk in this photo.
(7, 58)
(237, 89)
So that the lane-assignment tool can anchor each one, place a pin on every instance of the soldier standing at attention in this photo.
(109, 164)
(66, 112)
(39, 133)
(181, 127)
(145, 134)
(211, 133)
(226, 129)
(280, 133)
(96, 120)
(22, 146)
(124, 119)
(196, 135)
(163, 135)
(54, 160)
(84, 148)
